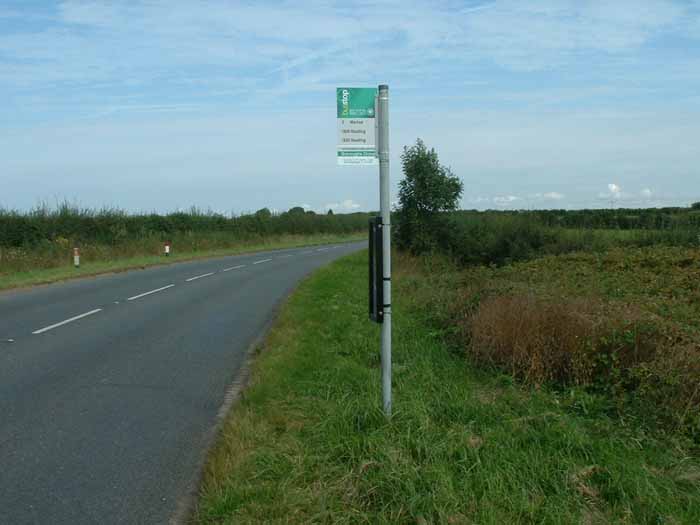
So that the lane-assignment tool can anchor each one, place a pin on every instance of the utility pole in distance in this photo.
(385, 207)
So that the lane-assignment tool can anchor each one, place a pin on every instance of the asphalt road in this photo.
(108, 392)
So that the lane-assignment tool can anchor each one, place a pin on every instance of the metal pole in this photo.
(385, 206)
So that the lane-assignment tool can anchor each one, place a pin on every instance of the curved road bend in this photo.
(110, 385)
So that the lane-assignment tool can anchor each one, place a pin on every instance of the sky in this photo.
(230, 106)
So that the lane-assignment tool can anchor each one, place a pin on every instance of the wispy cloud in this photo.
(88, 42)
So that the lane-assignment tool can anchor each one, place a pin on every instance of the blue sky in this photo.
(160, 105)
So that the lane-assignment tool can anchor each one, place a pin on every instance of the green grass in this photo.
(17, 279)
(309, 443)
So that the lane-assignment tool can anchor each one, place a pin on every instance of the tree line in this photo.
(114, 226)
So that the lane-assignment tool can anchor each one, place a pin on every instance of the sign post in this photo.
(363, 140)
(385, 206)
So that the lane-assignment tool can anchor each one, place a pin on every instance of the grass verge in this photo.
(308, 442)
(92, 268)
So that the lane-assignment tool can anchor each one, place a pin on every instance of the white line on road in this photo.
(233, 268)
(321, 249)
(284, 256)
(51, 327)
(264, 260)
(198, 277)
(149, 293)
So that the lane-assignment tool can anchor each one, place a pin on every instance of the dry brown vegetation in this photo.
(543, 340)
(621, 326)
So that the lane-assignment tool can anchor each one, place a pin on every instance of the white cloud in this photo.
(553, 195)
(647, 193)
(504, 201)
(346, 206)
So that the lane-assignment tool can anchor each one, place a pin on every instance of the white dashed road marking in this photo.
(51, 327)
(148, 293)
(144, 294)
(198, 277)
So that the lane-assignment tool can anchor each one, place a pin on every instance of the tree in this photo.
(330, 212)
(263, 213)
(695, 206)
(427, 191)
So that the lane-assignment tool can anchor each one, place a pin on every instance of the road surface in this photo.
(110, 386)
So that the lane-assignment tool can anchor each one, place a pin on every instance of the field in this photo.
(600, 302)
(467, 443)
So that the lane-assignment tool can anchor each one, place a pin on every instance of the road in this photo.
(110, 386)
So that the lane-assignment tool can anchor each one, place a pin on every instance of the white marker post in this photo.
(166, 248)
(76, 257)
(385, 207)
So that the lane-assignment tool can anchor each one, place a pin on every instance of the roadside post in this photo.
(166, 249)
(385, 206)
(76, 257)
(363, 140)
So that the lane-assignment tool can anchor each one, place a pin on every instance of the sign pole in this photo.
(385, 206)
